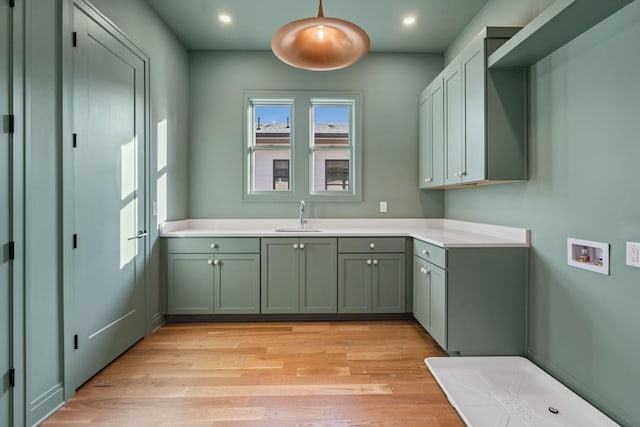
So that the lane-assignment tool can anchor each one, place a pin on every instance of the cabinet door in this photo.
(472, 68)
(189, 284)
(420, 295)
(436, 95)
(388, 283)
(236, 283)
(453, 124)
(279, 273)
(437, 304)
(425, 147)
(354, 283)
(318, 278)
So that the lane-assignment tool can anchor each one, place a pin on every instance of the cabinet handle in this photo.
(295, 246)
(428, 179)
(368, 262)
(216, 262)
(209, 261)
(213, 246)
(422, 270)
(301, 245)
(372, 245)
(375, 262)
(425, 252)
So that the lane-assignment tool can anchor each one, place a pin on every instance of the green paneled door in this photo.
(425, 146)
(236, 284)
(280, 275)
(109, 118)
(299, 275)
(388, 283)
(5, 235)
(190, 284)
(436, 303)
(420, 291)
(473, 89)
(453, 124)
(318, 277)
(354, 283)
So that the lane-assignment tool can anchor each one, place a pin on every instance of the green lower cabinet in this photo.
(474, 302)
(213, 284)
(436, 303)
(371, 283)
(299, 275)
(236, 284)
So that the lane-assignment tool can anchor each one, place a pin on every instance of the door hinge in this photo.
(74, 39)
(75, 241)
(12, 377)
(75, 342)
(75, 140)
(12, 251)
(9, 123)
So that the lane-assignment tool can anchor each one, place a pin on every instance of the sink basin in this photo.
(297, 230)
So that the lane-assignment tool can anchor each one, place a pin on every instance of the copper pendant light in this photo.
(320, 44)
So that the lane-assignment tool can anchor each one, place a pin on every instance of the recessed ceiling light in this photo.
(409, 20)
(224, 18)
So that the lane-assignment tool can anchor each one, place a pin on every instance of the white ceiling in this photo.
(195, 22)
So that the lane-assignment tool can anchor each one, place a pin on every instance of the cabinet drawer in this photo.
(434, 254)
(371, 244)
(228, 245)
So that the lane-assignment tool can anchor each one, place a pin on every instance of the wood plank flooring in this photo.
(365, 373)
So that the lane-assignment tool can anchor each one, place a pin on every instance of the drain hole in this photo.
(553, 410)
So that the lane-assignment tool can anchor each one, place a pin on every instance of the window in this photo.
(332, 145)
(281, 174)
(302, 145)
(270, 145)
(336, 175)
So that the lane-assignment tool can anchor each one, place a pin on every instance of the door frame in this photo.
(17, 222)
(68, 181)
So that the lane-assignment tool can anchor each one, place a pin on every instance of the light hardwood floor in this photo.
(365, 373)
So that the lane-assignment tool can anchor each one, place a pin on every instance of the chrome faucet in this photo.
(302, 220)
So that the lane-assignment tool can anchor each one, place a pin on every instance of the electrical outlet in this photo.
(383, 206)
(633, 254)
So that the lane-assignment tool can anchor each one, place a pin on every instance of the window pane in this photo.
(331, 125)
(281, 174)
(271, 125)
(270, 172)
(331, 170)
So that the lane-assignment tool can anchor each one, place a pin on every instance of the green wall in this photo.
(584, 155)
(390, 84)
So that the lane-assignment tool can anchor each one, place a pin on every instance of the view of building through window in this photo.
(274, 165)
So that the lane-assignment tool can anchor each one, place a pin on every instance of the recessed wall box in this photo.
(589, 255)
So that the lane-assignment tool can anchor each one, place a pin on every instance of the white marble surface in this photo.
(440, 232)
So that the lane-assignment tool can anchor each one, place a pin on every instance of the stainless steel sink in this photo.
(297, 230)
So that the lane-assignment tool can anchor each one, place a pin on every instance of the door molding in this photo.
(68, 186)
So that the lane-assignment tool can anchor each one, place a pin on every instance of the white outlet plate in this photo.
(633, 254)
(383, 206)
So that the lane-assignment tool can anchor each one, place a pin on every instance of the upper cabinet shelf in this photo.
(557, 25)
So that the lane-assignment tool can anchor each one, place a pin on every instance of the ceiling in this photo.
(196, 24)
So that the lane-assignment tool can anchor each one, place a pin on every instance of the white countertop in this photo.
(440, 232)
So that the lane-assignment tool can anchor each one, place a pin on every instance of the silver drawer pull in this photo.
(368, 262)
(301, 245)
(213, 246)
(375, 262)
(216, 262)
(372, 245)
(425, 252)
(209, 261)
(295, 246)
(140, 235)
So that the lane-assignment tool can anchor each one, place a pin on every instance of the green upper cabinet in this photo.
(483, 119)
(213, 282)
(299, 275)
(371, 281)
(431, 133)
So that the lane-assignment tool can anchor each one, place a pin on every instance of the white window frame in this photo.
(302, 148)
